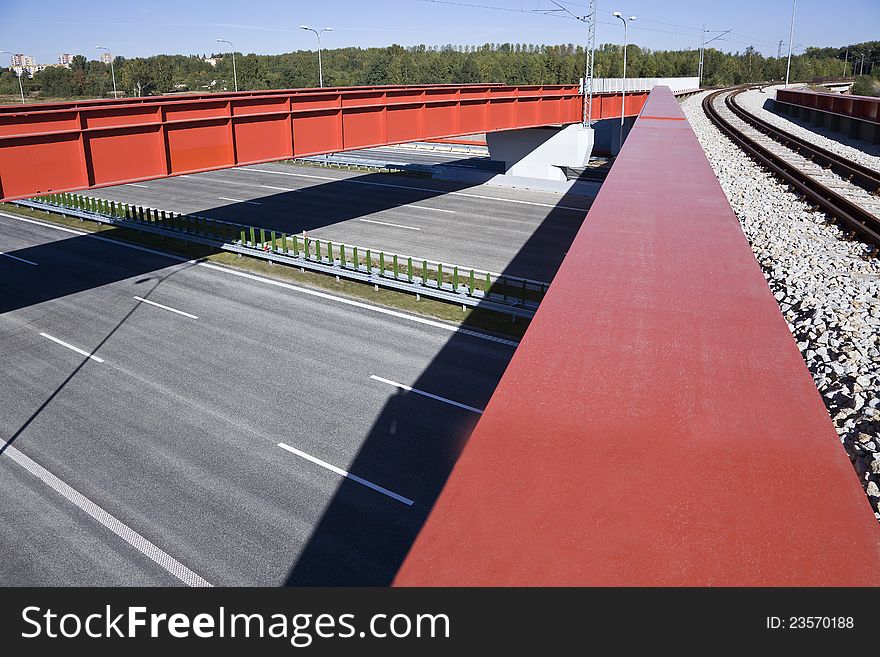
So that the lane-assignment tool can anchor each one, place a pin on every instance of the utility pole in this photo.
(779, 50)
(590, 57)
(790, 42)
(700, 67)
(703, 44)
(587, 118)
(845, 57)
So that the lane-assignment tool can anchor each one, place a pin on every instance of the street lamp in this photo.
(790, 42)
(234, 76)
(617, 14)
(112, 70)
(318, 34)
(20, 71)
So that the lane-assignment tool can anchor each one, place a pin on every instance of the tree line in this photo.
(508, 63)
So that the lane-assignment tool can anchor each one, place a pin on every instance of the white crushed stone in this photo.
(827, 288)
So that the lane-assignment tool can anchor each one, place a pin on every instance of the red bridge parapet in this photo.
(657, 424)
(81, 145)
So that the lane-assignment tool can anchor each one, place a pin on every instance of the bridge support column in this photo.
(541, 152)
(607, 135)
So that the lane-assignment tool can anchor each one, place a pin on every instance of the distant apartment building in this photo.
(19, 62)
(106, 57)
(213, 60)
(65, 59)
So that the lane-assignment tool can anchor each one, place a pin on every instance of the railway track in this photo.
(845, 190)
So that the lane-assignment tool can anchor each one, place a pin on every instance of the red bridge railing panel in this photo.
(864, 108)
(64, 147)
(657, 424)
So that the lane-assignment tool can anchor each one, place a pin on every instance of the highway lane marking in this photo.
(8, 255)
(439, 192)
(451, 402)
(346, 474)
(425, 207)
(238, 200)
(159, 305)
(268, 281)
(365, 306)
(72, 348)
(281, 189)
(139, 185)
(385, 223)
(123, 531)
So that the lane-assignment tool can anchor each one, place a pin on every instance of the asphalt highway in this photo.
(167, 422)
(519, 232)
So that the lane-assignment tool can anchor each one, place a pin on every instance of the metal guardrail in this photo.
(340, 161)
(467, 287)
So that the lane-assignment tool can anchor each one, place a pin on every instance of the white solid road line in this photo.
(72, 348)
(439, 192)
(280, 189)
(116, 526)
(472, 409)
(385, 223)
(238, 200)
(139, 185)
(159, 305)
(425, 207)
(7, 255)
(346, 474)
(268, 281)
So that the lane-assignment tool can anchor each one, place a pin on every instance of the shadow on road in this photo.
(353, 547)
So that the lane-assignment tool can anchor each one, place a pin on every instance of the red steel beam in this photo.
(68, 147)
(657, 424)
(864, 108)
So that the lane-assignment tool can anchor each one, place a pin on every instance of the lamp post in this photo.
(617, 14)
(112, 69)
(21, 70)
(790, 42)
(318, 34)
(234, 75)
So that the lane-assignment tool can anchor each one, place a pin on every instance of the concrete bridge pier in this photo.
(539, 153)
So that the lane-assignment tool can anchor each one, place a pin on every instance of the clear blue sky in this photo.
(136, 28)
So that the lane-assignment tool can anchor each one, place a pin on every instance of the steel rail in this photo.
(856, 173)
(851, 215)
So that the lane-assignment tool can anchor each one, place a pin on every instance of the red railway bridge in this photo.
(48, 148)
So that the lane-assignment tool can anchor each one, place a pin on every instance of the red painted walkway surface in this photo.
(82, 145)
(657, 425)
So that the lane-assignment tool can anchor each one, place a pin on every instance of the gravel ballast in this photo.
(828, 289)
(854, 150)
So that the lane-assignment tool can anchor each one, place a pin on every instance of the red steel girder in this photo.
(863, 108)
(66, 147)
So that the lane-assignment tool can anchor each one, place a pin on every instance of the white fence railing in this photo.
(615, 85)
